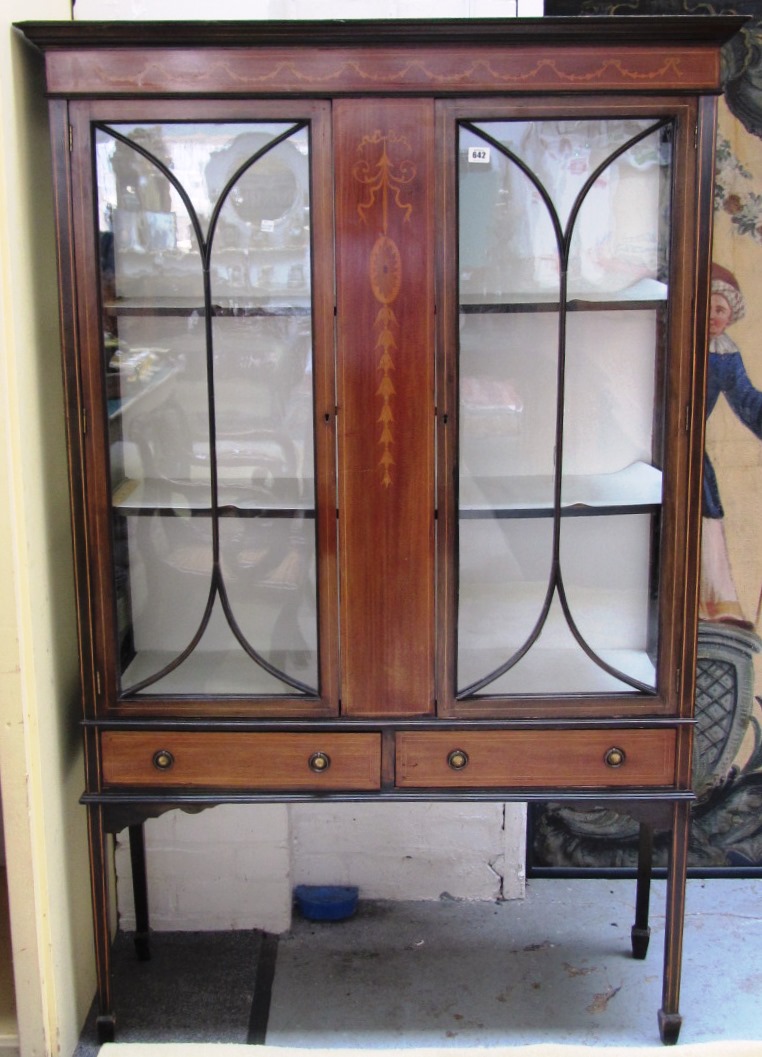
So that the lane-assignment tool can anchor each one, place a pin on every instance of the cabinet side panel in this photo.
(384, 203)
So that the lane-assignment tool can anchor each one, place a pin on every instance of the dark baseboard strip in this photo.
(263, 989)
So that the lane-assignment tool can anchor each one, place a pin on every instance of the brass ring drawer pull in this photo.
(163, 760)
(319, 762)
(457, 759)
(614, 757)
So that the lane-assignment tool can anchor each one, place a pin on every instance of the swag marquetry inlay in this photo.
(532, 69)
(384, 168)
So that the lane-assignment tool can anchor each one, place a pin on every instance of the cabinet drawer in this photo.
(242, 761)
(533, 758)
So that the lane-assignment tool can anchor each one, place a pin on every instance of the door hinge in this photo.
(84, 421)
(678, 674)
(98, 683)
(695, 136)
(71, 139)
(687, 418)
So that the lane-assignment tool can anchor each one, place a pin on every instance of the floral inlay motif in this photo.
(383, 168)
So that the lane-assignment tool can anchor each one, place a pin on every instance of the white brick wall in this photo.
(234, 866)
(226, 868)
(411, 851)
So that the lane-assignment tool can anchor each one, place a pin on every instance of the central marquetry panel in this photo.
(385, 335)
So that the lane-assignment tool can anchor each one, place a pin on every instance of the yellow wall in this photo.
(40, 755)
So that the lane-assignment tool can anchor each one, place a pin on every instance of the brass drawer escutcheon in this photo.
(319, 762)
(457, 759)
(163, 760)
(615, 757)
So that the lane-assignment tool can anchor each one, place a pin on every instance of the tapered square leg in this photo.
(669, 1016)
(641, 932)
(105, 1026)
(99, 872)
(140, 892)
(669, 1027)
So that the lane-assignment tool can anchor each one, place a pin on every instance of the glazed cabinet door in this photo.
(570, 446)
(205, 308)
(389, 404)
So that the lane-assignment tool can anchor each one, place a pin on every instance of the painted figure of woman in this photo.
(726, 375)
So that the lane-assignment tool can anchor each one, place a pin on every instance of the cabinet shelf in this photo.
(276, 304)
(647, 294)
(221, 673)
(287, 497)
(564, 670)
(636, 489)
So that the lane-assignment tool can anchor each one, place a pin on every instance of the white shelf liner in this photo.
(635, 485)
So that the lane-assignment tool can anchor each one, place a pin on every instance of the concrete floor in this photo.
(555, 967)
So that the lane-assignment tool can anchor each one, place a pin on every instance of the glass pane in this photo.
(507, 435)
(610, 586)
(612, 461)
(505, 567)
(563, 263)
(563, 156)
(205, 281)
(508, 250)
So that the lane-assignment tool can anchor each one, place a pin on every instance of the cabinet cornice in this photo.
(403, 56)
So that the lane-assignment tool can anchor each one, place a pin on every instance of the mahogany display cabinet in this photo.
(384, 358)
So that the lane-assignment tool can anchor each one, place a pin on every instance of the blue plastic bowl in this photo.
(326, 902)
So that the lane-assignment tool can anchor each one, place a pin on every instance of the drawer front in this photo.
(584, 759)
(244, 761)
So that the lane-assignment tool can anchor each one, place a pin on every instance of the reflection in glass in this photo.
(563, 264)
(205, 285)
